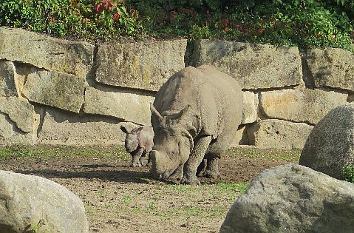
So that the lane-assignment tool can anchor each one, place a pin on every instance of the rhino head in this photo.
(173, 142)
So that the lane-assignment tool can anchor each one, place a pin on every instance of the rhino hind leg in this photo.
(209, 167)
(212, 168)
(202, 168)
(196, 157)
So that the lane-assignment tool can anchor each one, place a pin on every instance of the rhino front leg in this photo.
(177, 175)
(190, 167)
(136, 157)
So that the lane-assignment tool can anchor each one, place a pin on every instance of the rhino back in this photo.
(214, 96)
(220, 101)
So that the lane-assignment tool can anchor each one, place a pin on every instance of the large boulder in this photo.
(330, 146)
(293, 199)
(34, 204)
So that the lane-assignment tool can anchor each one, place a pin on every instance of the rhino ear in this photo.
(128, 127)
(155, 112)
(125, 129)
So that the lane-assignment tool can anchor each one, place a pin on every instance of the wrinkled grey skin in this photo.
(139, 143)
(195, 115)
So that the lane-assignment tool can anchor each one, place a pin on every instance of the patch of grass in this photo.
(270, 154)
(127, 200)
(233, 187)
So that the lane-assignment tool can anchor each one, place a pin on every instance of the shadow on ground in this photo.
(93, 171)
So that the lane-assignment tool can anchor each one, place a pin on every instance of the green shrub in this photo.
(71, 18)
(304, 23)
(348, 173)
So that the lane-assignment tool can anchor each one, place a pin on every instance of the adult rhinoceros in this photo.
(195, 115)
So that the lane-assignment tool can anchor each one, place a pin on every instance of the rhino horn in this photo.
(154, 111)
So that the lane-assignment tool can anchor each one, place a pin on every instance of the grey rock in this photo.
(330, 146)
(54, 89)
(278, 134)
(42, 51)
(300, 105)
(294, 199)
(332, 67)
(255, 66)
(142, 65)
(35, 204)
(127, 106)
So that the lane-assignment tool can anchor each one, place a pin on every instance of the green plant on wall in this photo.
(74, 18)
(303, 23)
(348, 173)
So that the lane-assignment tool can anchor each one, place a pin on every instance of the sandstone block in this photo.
(241, 137)
(142, 65)
(7, 79)
(255, 66)
(65, 128)
(278, 134)
(20, 111)
(10, 135)
(123, 105)
(54, 89)
(53, 54)
(332, 67)
(300, 105)
(250, 107)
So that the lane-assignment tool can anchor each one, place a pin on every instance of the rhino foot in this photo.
(212, 174)
(138, 164)
(144, 161)
(190, 180)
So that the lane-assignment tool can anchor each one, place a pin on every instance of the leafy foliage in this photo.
(286, 22)
(74, 18)
(348, 172)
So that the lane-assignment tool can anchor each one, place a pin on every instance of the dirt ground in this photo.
(119, 198)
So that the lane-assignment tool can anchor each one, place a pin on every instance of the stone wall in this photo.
(55, 91)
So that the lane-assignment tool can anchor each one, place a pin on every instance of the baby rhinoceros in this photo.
(195, 116)
(139, 142)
